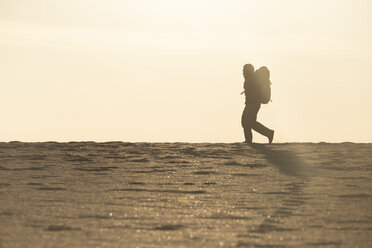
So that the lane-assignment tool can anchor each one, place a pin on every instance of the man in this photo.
(253, 103)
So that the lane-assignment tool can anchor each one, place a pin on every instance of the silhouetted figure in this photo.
(253, 102)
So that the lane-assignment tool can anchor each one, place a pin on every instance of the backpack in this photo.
(263, 81)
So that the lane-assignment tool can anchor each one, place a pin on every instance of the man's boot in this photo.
(271, 136)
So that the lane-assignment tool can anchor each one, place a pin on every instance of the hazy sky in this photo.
(171, 70)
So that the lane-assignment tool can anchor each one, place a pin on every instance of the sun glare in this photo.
(173, 55)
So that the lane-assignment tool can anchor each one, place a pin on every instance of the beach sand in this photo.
(115, 194)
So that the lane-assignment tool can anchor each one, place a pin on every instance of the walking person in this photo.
(253, 90)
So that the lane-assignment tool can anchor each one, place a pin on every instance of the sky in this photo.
(171, 70)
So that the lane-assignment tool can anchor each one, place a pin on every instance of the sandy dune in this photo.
(185, 195)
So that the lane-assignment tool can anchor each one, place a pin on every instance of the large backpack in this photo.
(263, 81)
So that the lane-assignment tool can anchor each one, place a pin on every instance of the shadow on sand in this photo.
(287, 162)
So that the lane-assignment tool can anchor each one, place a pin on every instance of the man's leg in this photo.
(248, 135)
(259, 128)
(248, 120)
(246, 125)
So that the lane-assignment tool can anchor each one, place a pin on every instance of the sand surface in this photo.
(185, 195)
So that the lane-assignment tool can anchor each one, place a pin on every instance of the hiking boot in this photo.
(271, 136)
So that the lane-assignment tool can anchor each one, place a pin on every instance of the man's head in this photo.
(248, 70)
